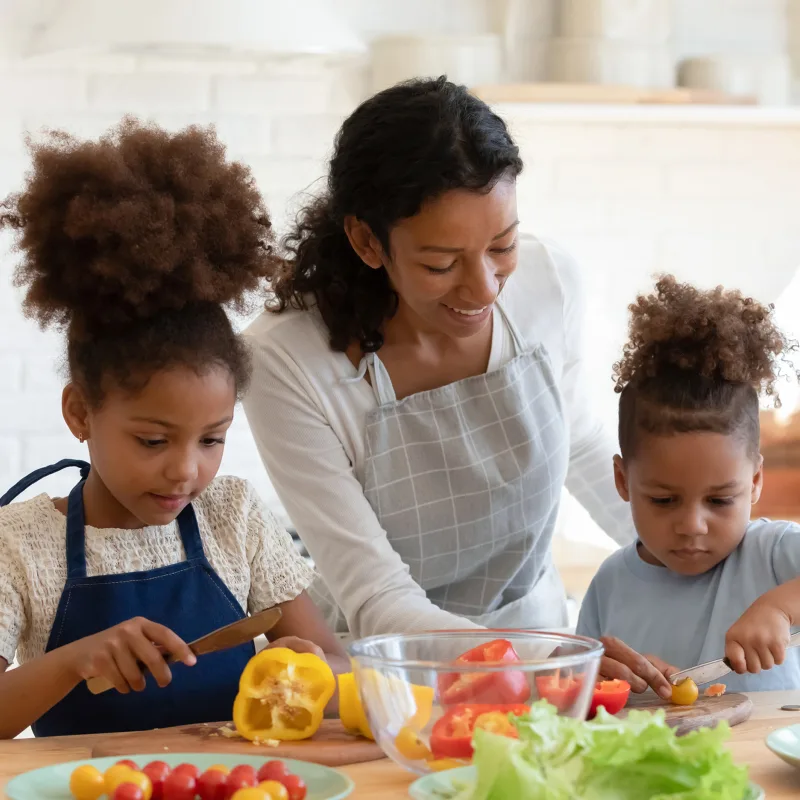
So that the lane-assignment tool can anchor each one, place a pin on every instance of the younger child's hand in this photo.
(118, 654)
(758, 639)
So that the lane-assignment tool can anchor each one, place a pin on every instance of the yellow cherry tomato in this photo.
(87, 783)
(219, 768)
(685, 693)
(142, 781)
(274, 790)
(410, 746)
(253, 793)
(114, 776)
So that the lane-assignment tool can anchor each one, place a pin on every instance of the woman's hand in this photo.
(624, 663)
(119, 654)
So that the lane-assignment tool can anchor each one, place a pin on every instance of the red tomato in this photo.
(295, 786)
(559, 692)
(246, 772)
(187, 769)
(212, 785)
(272, 771)
(128, 763)
(128, 791)
(234, 782)
(157, 771)
(179, 786)
(485, 687)
(451, 736)
(611, 695)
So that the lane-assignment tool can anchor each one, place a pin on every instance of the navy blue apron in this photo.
(188, 597)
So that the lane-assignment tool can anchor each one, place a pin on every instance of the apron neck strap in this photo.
(37, 475)
(76, 534)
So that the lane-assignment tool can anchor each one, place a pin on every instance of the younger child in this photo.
(132, 245)
(702, 581)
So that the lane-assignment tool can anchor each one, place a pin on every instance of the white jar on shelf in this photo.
(643, 22)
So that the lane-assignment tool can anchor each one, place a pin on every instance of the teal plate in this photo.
(52, 783)
(785, 743)
(442, 785)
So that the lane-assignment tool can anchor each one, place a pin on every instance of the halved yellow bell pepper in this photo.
(282, 695)
(412, 704)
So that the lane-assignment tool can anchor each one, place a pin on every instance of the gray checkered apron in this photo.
(466, 481)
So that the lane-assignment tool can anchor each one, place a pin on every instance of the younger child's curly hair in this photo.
(697, 361)
(134, 244)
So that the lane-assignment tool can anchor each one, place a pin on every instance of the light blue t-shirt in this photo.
(683, 619)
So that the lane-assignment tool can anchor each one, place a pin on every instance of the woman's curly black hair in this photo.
(697, 361)
(401, 148)
(134, 244)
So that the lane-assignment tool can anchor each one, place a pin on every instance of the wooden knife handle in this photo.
(99, 685)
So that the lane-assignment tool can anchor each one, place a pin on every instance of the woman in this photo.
(418, 397)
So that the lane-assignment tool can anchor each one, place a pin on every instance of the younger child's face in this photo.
(156, 450)
(690, 495)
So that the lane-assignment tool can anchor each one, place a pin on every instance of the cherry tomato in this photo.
(295, 787)
(212, 784)
(128, 791)
(87, 783)
(250, 793)
(116, 775)
(272, 771)
(245, 771)
(188, 769)
(157, 771)
(128, 763)
(219, 768)
(142, 781)
(235, 783)
(273, 790)
(179, 786)
(685, 693)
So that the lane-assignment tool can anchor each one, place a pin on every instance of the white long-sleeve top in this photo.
(309, 425)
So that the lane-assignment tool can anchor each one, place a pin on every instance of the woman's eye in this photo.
(505, 250)
(438, 270)
(210, 442)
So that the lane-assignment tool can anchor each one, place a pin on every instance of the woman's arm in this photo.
(317, 485)
(590, 478)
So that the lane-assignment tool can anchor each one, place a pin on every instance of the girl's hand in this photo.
(623, 663)
(118, 654)
(758, 639)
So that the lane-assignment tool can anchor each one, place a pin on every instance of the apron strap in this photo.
(37, 475)
(516, 336)
(190, 534)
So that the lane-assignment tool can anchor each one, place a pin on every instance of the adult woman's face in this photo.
(450, 261)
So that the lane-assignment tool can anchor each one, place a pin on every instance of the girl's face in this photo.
(449, 262)
(691, 496)
(157, 449)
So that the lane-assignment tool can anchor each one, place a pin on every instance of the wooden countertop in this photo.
(384, 780)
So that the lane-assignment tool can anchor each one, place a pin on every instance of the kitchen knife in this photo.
(240, 632)
(714, 670)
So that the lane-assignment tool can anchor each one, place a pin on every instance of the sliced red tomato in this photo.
(611, 695)
(560, 692)
(485, 687)
(451, 736)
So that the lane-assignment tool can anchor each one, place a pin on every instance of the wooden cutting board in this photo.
(331, 745)
(705, 713)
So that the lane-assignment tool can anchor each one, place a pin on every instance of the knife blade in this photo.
(239, 632)
(714, 670)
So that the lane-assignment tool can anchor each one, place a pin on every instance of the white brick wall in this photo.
(715, 202)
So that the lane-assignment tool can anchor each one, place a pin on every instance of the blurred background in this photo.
(658, 135)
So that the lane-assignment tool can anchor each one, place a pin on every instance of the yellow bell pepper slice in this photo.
(411, 704)
(282, 695)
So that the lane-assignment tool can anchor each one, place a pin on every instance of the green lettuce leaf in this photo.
(637, 758)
